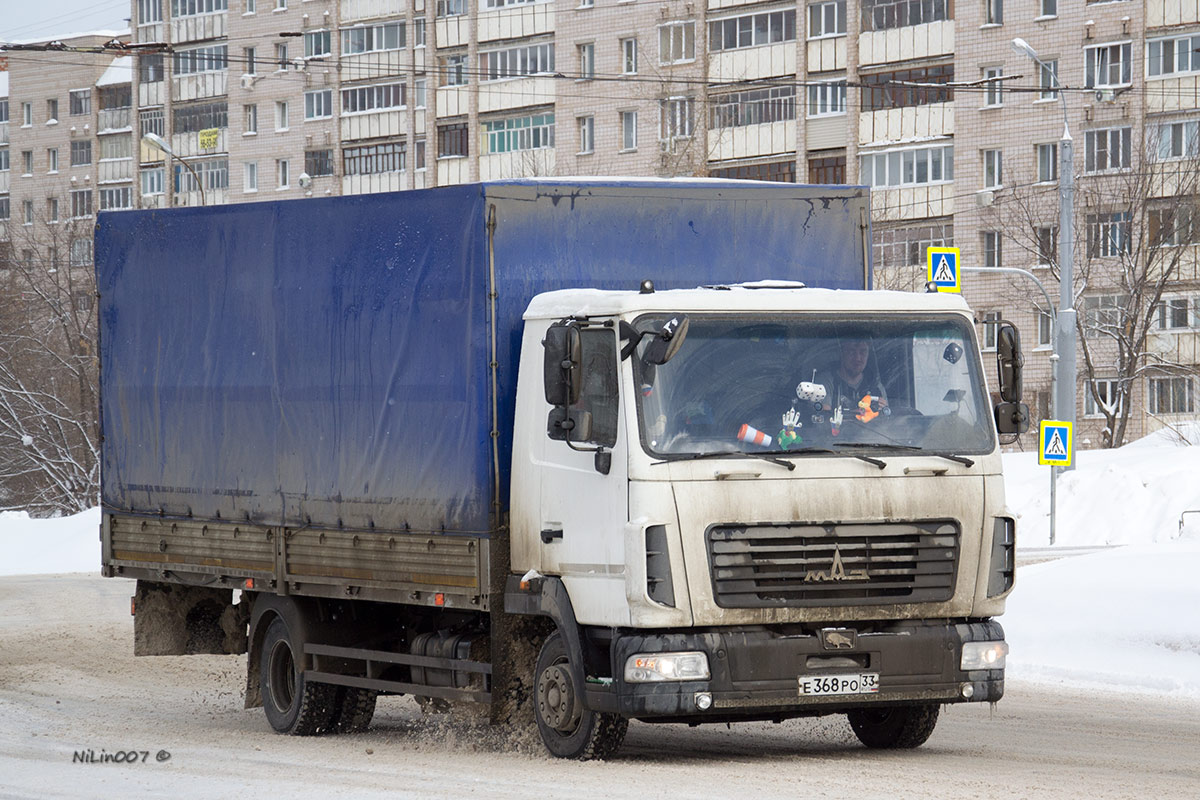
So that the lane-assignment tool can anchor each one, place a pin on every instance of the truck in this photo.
(568, 452)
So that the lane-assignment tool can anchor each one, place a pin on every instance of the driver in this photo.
(854, 385)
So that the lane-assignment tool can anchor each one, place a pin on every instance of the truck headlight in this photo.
(651, 667)
(983, 655)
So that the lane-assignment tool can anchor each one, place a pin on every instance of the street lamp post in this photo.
(159, 143)
(1064, 400)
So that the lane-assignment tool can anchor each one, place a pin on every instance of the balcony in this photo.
(114, 170)
(516, 93)
(199, 27)
(375, 124)
(371, 184)
(186, 145)
(826, 54)
(752, 63)
(199, 85)
(915, 202)
(748, 141)
(153, 32)
(150, 94)
(513, 23)
(453, 31)
(906, 124)
(451, 171)
(903, 44)
(3, 133)
(114, 119)
(365, 66)
(522, 164)
(453, 101)
(355, 10)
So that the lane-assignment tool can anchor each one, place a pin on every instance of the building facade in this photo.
(925, 101)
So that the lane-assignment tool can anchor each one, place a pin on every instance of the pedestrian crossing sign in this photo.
(1054, 443)
(944, 270)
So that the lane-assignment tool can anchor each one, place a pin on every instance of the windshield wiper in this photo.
(806, 451)
(908, 448)
(727, 454)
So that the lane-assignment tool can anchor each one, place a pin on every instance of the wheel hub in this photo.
(556, 699)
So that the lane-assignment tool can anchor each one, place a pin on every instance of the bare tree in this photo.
(49, 458)
(1136, 216)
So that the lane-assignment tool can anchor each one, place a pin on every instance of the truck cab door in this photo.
(583, 510)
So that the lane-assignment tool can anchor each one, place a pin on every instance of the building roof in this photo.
(120, 71)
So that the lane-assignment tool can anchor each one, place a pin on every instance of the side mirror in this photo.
(561, 373)
(667, 341)
(1009, 362)
(1012, 418)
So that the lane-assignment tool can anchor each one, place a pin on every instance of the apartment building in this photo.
(923, 100)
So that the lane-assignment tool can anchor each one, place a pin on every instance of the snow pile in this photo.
(43, 546)
(1132, 495)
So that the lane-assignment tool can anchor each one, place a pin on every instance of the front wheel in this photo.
(903, 727)
(567, 728)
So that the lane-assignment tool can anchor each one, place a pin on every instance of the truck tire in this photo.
(353, 709)
(567, 728)
(903, 727)
(292, 704)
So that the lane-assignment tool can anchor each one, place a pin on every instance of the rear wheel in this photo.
(292, 704)
(567, 728)
(354, 709)
(899, 728)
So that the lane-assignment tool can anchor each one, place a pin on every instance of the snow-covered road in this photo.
(69, 682)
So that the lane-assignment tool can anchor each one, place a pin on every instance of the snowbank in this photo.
(42, 546)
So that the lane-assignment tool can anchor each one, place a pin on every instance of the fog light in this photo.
(968, 691)
(983, 655)
(653, 667)
(703, 701)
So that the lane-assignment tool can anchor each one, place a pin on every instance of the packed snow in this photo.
(1124, 617)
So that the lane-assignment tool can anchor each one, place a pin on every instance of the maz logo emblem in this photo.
(837, 572)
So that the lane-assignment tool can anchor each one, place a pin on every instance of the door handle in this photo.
(550, 534)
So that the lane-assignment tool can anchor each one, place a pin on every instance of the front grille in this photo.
(819, 565)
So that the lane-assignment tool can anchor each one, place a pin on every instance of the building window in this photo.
(912, 167)
(373, 98)
(250, 176)
(827, 19)
(212, 58)
(318, 163)
(1108, 390)
(281, 115)
(1172, 226)
(882, 15)
(27, 210)
(51, 209)
(453, 69)
(453, 140)
(251, 7)
(250, 115)
(191, 8)
(676, 42)
(5, 209)
(214, 174)
(152, 121)
(907, 87)
(1176, 140)
(318, 104)
(1047, 162)
(3, 109)
(419, 32)
(1173, 56)
(628, 130)
(200, 117)
(993, 92)
(281, 57)
(81, 203)
(152, 181)
(373, 38)
(1172, 314)
(1048, 80)
(752, 30)
(991, 324)
(829, 170)
(629, 57)
(536, 59)
(419, 154)
(1107, 149)
(827, 99)
(1172, 395)
(993, 252)
(1045, 328)
(52, 160)
(754, 107)
(1103, 314)
(26, 114)
(80, 101)
(283, 173)
(1108, 65)
(1047, 245)
(250, 60)
(375, 159)
(451, 8)
(506, 3)
(149, 11)
(51, 111)
(116, 147)
(4, 159)
(1108, 234)
(317, 43)
(993, 169)
(675, 118)
(26, 162)
(117, 198)
(150, 68)
(1048, 8)
(587, 134)
(993, 12)
(281, 5)
(519, 133)
(81, 252)
(774, 171)
(587, 61)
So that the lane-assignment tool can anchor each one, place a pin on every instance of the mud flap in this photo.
(176, 620)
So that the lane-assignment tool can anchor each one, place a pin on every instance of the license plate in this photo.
(863, 683)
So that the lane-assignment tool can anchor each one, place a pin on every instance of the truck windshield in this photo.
(797, 382)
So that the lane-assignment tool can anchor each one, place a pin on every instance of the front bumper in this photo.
(755, 671)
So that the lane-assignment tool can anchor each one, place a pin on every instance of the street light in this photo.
(159, 143)
(1064, 400)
